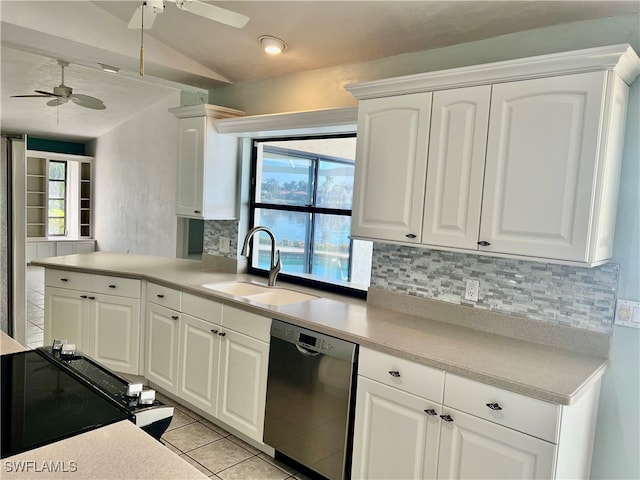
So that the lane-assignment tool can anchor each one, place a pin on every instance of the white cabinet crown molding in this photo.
(620, 58)
(330, 120)
(205, 110)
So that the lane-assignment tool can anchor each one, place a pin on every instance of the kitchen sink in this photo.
(266, 295)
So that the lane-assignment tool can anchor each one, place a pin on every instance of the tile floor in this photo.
(35, 307)
(212, 450)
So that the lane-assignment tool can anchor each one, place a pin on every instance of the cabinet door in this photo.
(242, 386)
(199, 362)
(391, 165)
(191, 145)
(66, 315)
(161, 347)
(541, 161)
(455, 171)
(395, 438)
(472, 448)
(115, 332)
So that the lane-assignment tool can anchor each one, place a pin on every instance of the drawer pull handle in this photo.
(112, 286)
(175, 317)
(410, 235)
(494, 406)
(446, 418)
(83, 296)
(91, 298)
(394, 373)
(222, 334)
(160, 295)
(215, 332)
(483, 243)
(431, 411)
(64, 279)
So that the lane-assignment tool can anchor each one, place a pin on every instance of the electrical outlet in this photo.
(224, 244)
(628, 313)
(471, 293)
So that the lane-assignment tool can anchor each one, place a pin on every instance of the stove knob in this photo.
(147, 397)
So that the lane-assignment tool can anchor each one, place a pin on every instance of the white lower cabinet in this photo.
(161, 346)
(474, 448)
(99, 313)
(404, 429)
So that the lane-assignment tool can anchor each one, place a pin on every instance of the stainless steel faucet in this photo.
(275, 265)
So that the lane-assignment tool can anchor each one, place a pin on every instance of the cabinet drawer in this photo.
(199, 307)
(255, 326)
(67, 279)
(165, 296)
(118, 286)
(525, 414)
(403, 374)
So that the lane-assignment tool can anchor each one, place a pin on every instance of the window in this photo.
(302, 189)
(57, 199)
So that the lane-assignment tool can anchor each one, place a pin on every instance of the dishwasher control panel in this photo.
(314, 341)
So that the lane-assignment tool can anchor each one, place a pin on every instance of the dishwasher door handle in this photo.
(306, 352)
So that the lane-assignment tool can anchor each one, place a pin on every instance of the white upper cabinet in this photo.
(523, 156)
(455, 171)
(391, 161)
(207, 164)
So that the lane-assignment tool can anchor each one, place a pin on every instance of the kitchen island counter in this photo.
(552, 363)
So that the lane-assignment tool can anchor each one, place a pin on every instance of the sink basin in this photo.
(266, 295)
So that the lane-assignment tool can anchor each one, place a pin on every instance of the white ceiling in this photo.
(189, 52)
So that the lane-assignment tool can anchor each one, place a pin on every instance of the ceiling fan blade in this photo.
(57, 101)
(47, 94)
(149, 17)
(87, 101)
(217, 14)
(29, 96)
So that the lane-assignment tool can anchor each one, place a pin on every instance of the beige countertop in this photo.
(551, 363)
(118, 451)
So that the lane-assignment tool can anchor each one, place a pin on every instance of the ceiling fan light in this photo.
(109, 68)
(272, 45)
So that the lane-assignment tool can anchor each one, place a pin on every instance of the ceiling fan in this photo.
(145, 14)
(63, 93)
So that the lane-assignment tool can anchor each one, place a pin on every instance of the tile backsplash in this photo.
(213, 230)
(559, 294)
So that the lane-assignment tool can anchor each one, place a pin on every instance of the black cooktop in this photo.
(42, 403)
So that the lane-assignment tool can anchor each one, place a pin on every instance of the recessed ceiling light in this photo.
(272, 45)
(109, 68)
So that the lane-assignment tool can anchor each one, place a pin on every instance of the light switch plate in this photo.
(628, 313)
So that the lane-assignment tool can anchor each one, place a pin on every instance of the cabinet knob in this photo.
(112, 286)
(197, 211)
(174, 317)
(215, 332)
(394, 373)
(160, 295)
(482, 243)
(446, 418)
(431, 411)
(222, 334)
(64, 279)
(410, 235)
(83, 296)
(494, 406)
(91, 298)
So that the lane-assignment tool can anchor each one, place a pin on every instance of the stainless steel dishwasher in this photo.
(309, 408)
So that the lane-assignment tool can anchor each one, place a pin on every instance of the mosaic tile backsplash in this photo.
(564, 295)
(213, 230)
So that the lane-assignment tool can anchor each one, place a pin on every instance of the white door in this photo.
(472, 448)
(395, 437)
(66, 316)
(161, 348)
(242, 386)
(191, 140)
(115, 332)
(199, 362)
(541, 158)
(455, 171)
(391, 166)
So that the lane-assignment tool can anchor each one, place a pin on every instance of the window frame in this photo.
(310, 209)
(65, 199)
